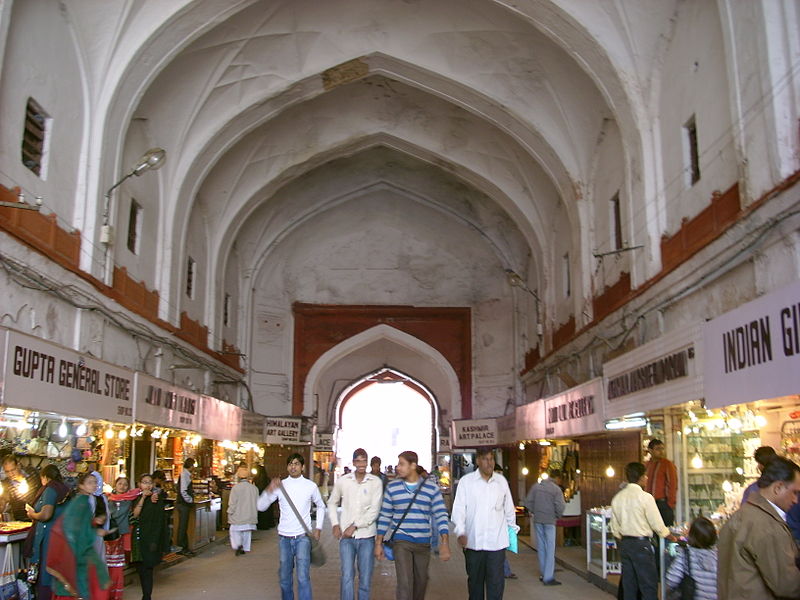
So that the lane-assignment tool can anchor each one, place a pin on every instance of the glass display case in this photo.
(716, 459)
(602, 556)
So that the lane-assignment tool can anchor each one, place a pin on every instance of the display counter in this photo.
(11, 543)
(202, 528)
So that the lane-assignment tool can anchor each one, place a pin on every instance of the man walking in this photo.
(634, 518)
(293, 543)
(482, 513)
(184, 505)
(758, 556)
(361, 494)
(545, 501)
(242, 514)
(410, 535)
(375, 469)
(662, 481)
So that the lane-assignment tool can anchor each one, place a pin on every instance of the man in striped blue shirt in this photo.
(411, 535)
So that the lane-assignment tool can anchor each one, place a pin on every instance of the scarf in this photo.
(130, 495)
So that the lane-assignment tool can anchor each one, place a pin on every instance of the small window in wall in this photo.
(34, 137)
(134, 226)
(226, 310)
(616, 223)
(691, 152)
(191, 272)
(566, 276)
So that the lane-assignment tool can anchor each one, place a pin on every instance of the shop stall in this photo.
(58, 407)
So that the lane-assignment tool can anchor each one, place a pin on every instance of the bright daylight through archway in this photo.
(386, 419)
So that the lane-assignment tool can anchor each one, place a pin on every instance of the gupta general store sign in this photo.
(578, 411)
(41, 375)
(474, 432)
(753, 352)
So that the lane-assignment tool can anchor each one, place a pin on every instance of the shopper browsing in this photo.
(184, 505)
(545, 501)
(149, 532)
(242, 513)
(698, 561)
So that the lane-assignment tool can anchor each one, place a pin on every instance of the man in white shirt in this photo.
(361, 494)
(294, 544)
(483, 511)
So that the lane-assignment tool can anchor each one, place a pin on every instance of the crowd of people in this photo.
(83, 539)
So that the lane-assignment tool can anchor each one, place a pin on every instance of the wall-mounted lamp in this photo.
(151, 160)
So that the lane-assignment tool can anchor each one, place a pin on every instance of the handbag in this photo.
(388, 542)
(687, 584)
(8, 579)
(317, 551)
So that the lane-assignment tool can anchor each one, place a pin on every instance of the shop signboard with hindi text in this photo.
(753, 352)
(41, 375)
(219, 420)
(283, 430)
(664, 372)
(471, 433)
(578, 411)
(163, 404)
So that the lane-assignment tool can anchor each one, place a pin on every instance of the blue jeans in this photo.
(352, 551)
(546, 549)
(295, 552)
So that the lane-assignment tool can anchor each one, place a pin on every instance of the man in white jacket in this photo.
(361, 494)
(242, 513)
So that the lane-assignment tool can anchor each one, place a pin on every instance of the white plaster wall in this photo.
(41, 62)
(694, 81)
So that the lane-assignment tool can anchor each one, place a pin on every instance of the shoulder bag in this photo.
(686, 588)
(317, 552)
(388, 542)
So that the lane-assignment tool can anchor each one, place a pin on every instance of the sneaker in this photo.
(552, 582)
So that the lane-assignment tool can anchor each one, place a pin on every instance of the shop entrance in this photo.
(386, 413)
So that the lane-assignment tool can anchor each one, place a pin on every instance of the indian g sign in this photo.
(753, 352)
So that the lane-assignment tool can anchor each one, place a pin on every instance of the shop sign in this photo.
(444, 443)
(753, 352)
(507, 429)
(530, 421)
(219, 420)
(470, 433)
(661, 373)
(324, 442)
(163, 404)
(252, 428)
(41, 375)
(282, 430)
(577, 411)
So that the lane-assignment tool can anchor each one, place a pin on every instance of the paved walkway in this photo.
(218, 574)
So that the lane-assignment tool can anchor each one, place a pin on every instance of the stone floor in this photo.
(218, 574)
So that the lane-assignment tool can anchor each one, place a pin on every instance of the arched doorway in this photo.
(386, 413)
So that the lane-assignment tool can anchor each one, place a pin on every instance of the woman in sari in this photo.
(119, 504)
(148, 534)
(72, 560)
(47, 507)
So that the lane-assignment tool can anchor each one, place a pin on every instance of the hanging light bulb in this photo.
(123, 433)
(578, 471)
(62, 429)
(23, 487)
(223, 462)
(525, 471)
(727, 486)
(109, 433)
(761, 421)
(155, 434)
(697, 462)
(81, 430)
(1, 489)
(254, 472)
(610, 471)
(739, 471)
(544, 476)
(735, 423)
(522, 445)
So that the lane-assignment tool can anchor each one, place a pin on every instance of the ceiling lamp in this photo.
(81, 430)
(109, 433)
(525, 471)
(610, 471)
(697, 462)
